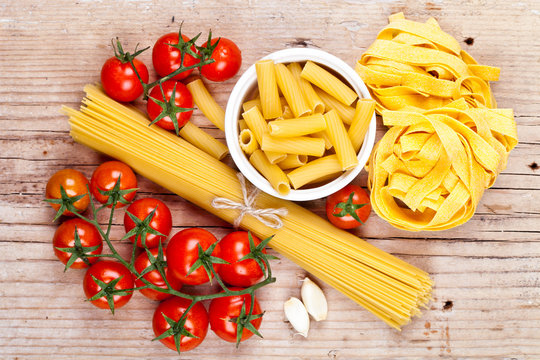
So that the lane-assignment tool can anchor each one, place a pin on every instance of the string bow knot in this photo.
(269, 217)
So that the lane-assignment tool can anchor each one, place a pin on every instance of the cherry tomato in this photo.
(182, 98)
(161, 221)
(64, 237)
(74, 183)
(107, 271)
(166, 58)
(235, 246)
(341, 206)
(182, 252)
(196, 322)
(228, 61)
(105, 177)
(225, 308)
(141, 263)
(120, 81)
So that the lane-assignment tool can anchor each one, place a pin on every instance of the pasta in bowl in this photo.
(300, 124)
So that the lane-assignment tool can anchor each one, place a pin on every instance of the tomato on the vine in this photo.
(183, 251)
(161, 220)
(89, 238)
(349, 207)
(224, 309)
(235, 246)
(105, 177)
(196, 322)
(228, 59)
(166, 58)
(182, 99)
(107, 271)
(74, 184)
(142, 262)
(118, 77)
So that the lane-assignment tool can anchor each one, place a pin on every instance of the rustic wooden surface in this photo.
(487, 285)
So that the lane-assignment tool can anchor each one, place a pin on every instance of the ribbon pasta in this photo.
(446, 143)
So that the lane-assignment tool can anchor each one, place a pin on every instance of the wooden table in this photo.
(486, 301)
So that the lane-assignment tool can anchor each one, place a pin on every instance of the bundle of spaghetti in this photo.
(388, 287)
(447, 143)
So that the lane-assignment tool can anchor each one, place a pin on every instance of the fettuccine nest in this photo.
(447, 142)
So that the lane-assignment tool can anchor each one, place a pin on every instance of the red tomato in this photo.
(340, 207)
(225, 308)
(228, 59)
(235, 246)
(182, 252)
(74, 183)
(107, 271)
(182, 98)
(141, 263)
(120, 81)
(196, 322)
(64, 237)
(105, 177)
(166, 58)
(161, 221)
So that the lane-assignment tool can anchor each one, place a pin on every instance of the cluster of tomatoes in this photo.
(78, 243)
(218, 59)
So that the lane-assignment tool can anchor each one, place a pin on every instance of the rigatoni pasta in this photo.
(206, 103)
(247, 141)
(314, 101)
(290, 88)
(360, 124)
(293, 161)
(341, 141)
(193, 134)
(275, 176)
(259, 127)
(268, 90)
(298, 139)
(302, 145)
(297, 127)
(314, 170)
(328, 82)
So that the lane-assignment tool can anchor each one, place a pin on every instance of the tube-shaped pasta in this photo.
(269, 94)
(258, 126)
(324, 135)
(314, 170)
(209, 107)
(346, 113)
(275, 176)
(291, 91)
(360, 124)
(292, 161)
(328, 82)
(342, 144)
(203, 141)
(251, 103)
(303, 145)
(242, 124)
(247, 141)
(314, 101)
(297, 127)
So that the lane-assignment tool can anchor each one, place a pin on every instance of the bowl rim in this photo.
(233, 113)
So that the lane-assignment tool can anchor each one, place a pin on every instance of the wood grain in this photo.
(487, 278)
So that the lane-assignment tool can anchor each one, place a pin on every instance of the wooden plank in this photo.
(485, 301)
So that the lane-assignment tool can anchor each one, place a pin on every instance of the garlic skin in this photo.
(314, 300)
(296, 313)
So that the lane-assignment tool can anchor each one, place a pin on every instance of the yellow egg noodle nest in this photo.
(447, 142)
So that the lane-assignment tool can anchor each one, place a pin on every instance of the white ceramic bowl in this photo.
(246, 86)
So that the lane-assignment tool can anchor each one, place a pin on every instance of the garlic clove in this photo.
(296, 313)
(314, 300)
